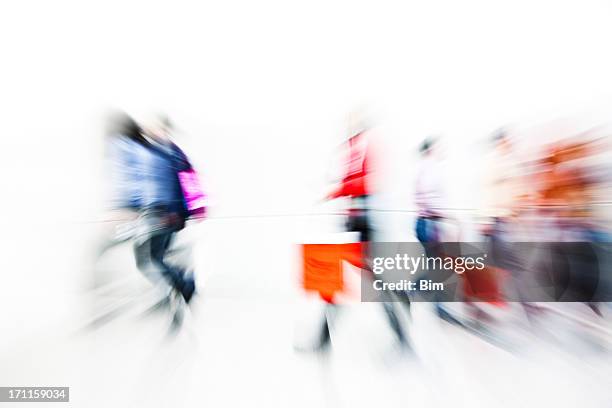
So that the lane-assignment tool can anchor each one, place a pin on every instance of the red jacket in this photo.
(355, 183)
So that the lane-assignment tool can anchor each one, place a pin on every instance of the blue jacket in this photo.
(161, 189)
(128, 161)
(145, 176)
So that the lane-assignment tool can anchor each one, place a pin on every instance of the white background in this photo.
(260, 91)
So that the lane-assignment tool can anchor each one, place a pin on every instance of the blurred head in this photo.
(427, 146)
(122, 124)
(501, 141)
(357, 121)
(158, 127)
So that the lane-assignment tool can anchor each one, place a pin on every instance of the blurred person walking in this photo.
(356, 185)
(505, 205)
(567, 195)
(164, 211)
(430, 196)
(511, 188)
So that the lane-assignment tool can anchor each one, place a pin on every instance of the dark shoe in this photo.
(188, 289)
(394, 322)
(446, 316)
(325, 338)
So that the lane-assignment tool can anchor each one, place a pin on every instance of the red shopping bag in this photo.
(483, 285)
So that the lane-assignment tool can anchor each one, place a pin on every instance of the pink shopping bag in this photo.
(195, 199)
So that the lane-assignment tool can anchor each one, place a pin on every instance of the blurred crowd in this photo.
(543, 218)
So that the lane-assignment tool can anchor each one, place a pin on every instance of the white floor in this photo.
(236, 347)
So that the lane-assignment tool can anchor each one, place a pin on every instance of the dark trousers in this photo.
(150, 259)
(359, 221)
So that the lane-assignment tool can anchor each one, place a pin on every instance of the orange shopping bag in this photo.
(322, 267)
